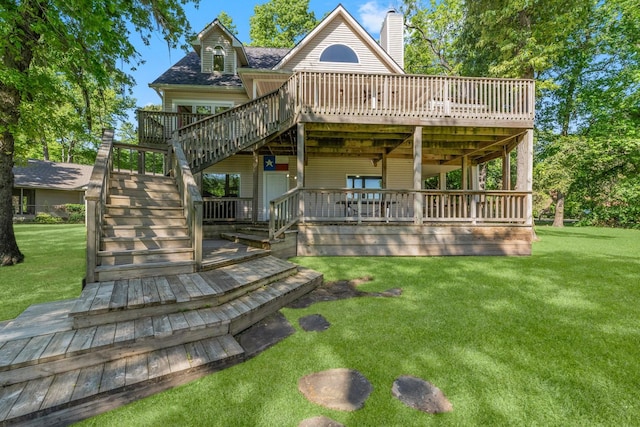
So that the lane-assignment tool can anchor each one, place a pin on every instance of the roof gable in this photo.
(216, 25)
(344, 29)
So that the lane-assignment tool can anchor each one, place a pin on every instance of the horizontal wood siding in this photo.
(203, 96)
(237, 164)
(213, 39)
(399, 174)
(331, 172)
(338, 32)
(411, 240)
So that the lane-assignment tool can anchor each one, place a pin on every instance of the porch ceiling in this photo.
(440, 144)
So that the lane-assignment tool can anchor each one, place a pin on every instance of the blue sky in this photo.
(158, 58)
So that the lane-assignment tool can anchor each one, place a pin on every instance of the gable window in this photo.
(218, 59)
(339, 53)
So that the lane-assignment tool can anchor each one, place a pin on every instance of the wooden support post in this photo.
(300, 167)
(525, 172)
(443, 181)
(417, 175)
(465, 173)
(384, 170)
(256, 188)
(506, 170)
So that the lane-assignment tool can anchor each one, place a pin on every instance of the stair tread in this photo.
(144, 251)
(100, 268)
(246, 236)
(45, 394)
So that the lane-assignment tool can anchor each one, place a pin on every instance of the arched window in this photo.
(218, 59)
(339, 53)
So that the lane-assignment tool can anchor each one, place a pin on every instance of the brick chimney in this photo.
(392, 36)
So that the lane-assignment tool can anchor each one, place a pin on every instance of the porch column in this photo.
(443, 180)
(465, 173)
(384, 170)
(417, 175)
(255, 195)
(506, 170)
(300, 166)
(525, 172)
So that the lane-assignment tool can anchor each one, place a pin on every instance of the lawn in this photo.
(53, 267)
(551, 339)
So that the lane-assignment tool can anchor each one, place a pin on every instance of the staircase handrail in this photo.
(216, 137)
(96, 199)
(191, 199)
(284, 212)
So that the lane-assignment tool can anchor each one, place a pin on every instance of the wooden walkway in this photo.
(68, 360)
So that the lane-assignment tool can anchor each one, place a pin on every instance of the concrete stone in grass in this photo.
(421, 395)
(320, 421)
(340, 389)
(264, 334)
(314, 322)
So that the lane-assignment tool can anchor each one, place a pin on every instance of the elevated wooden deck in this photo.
(121, 340)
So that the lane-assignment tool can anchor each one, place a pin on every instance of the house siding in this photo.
(172, 98)
(209, 42)
(337, 32)
(328, 172)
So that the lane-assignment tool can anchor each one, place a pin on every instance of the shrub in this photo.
(45, 218)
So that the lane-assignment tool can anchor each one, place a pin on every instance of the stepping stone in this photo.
(264, 334)
(314, 322)
(342, 289)
(320, 421)
(340, 389)
(421, 395)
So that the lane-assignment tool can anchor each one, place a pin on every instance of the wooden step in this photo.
(248, 239)
(151, 194)
(156, 211)
(136, 177)
(161, 185)
(143, 231)
(144, 256)
(30, 400)
(109, 301)
(144, 220)
(128, 271)
(142, 201)
(130, 243)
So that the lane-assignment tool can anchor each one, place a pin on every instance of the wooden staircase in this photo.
(128, 338)
(144, 230)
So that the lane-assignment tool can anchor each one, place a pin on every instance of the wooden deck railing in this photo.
(361, 205)
(399, 95)
(191, 200)
(157, 127)
(209, 139)
(396, 206)
(284, 212)
(227, 209)
(140, 159)
(217, 137)
(96, 199)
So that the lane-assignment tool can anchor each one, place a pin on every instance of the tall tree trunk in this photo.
(558, 219)
(9, 252)
(45, 149)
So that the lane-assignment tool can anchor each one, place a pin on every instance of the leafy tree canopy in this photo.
(280, 23)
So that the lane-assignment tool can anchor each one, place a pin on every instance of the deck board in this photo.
(102, 299)
(150, 291)
(161, 326)
(194, 320)
(105, 335)
(58, 345)
(83, 304)
(88, 382)
(178, 322)
(113, 376)
(164, 291)
(33, 349)
(125, 331)
(135, 298)
(8, 396)
(196, 354)
(178, 289)
(190, 286)
(202, 284)
(31, 397)
(82, 339)
(178, 358)
(137, 370)
(158, 363)
(143, 328)
(120, 295)
(61, 389)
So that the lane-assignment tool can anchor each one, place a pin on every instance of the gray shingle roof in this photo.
(52, 175)
(187, 70)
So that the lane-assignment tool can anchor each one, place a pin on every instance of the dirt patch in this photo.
(341, 289)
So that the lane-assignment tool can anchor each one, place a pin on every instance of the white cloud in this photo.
(372, 14)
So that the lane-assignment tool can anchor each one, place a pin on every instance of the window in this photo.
(366, 182)
(218, 59)
(221, 184)
(339, 53)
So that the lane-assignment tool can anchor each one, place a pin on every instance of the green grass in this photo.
(53, 267)
(551, 339)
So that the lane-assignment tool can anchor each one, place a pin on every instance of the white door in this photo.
(275, 185)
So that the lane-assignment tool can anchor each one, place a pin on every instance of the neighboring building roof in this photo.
(52, 175)
(187, 71)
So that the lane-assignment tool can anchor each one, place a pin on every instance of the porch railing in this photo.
(227, 209)
(157, 127)
(141, 159)
(396, 206)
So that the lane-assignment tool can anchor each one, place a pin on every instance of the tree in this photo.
(83, 42)
(227, 21)
(280, 23)
(432, 32)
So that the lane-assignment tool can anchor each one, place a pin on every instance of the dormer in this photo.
(220, 51)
